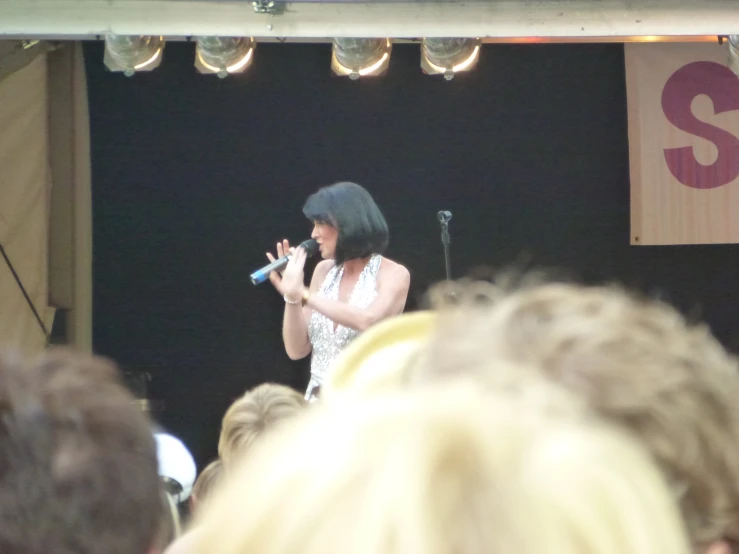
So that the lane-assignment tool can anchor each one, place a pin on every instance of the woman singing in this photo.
(353, 288)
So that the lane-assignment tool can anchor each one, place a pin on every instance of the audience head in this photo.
(376, 360)
(259, 410)
(448, 471)
(206, 483)
(78, 463)
(177, 468)
(637, 363)
(170, 526)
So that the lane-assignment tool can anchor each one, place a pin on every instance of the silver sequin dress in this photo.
(326, 342)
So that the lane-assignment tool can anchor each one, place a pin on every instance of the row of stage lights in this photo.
(351, 57)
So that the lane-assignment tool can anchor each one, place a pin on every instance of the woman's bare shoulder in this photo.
(393, 269)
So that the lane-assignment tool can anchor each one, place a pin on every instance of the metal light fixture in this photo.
(448, 56)
(360, 57)
(224, 55)
(133, 53)
(733, 62)
(268, 7)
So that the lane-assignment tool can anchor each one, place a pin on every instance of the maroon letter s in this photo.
(721, 85)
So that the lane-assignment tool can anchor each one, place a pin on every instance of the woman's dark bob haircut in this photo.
(350, 209)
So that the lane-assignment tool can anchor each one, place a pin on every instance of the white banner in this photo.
(683, 110)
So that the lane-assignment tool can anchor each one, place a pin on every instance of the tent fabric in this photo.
(70, 232)
(17, 54)
(24, 206)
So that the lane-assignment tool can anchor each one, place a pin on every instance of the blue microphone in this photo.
(261, 275)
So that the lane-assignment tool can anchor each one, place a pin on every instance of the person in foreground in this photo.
(446, 470)
(206, 482)
(636, 362)
(78, 461)
(351, 290)
(255, 415)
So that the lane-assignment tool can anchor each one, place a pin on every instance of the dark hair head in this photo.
(78, 461)
(352, 211)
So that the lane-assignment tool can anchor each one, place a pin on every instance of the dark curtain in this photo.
(194, 178)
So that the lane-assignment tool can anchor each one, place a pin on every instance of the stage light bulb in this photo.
(448, 56)
(130, 54)
(360, 57)
(224, 55)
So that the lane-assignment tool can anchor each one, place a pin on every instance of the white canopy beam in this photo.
(74, 19)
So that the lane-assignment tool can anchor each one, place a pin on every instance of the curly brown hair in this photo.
(78, 462)
(636, 361)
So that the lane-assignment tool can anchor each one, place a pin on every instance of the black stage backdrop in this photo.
(195, 177)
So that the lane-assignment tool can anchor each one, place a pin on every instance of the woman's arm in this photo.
(295, 332)
(297, 318)
(392, 293)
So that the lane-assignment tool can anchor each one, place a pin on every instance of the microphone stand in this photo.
(444, 218)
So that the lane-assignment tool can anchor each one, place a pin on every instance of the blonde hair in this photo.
(637, 362)
(206, 483)
(450, 471)
(378, 358)
(250, 416)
